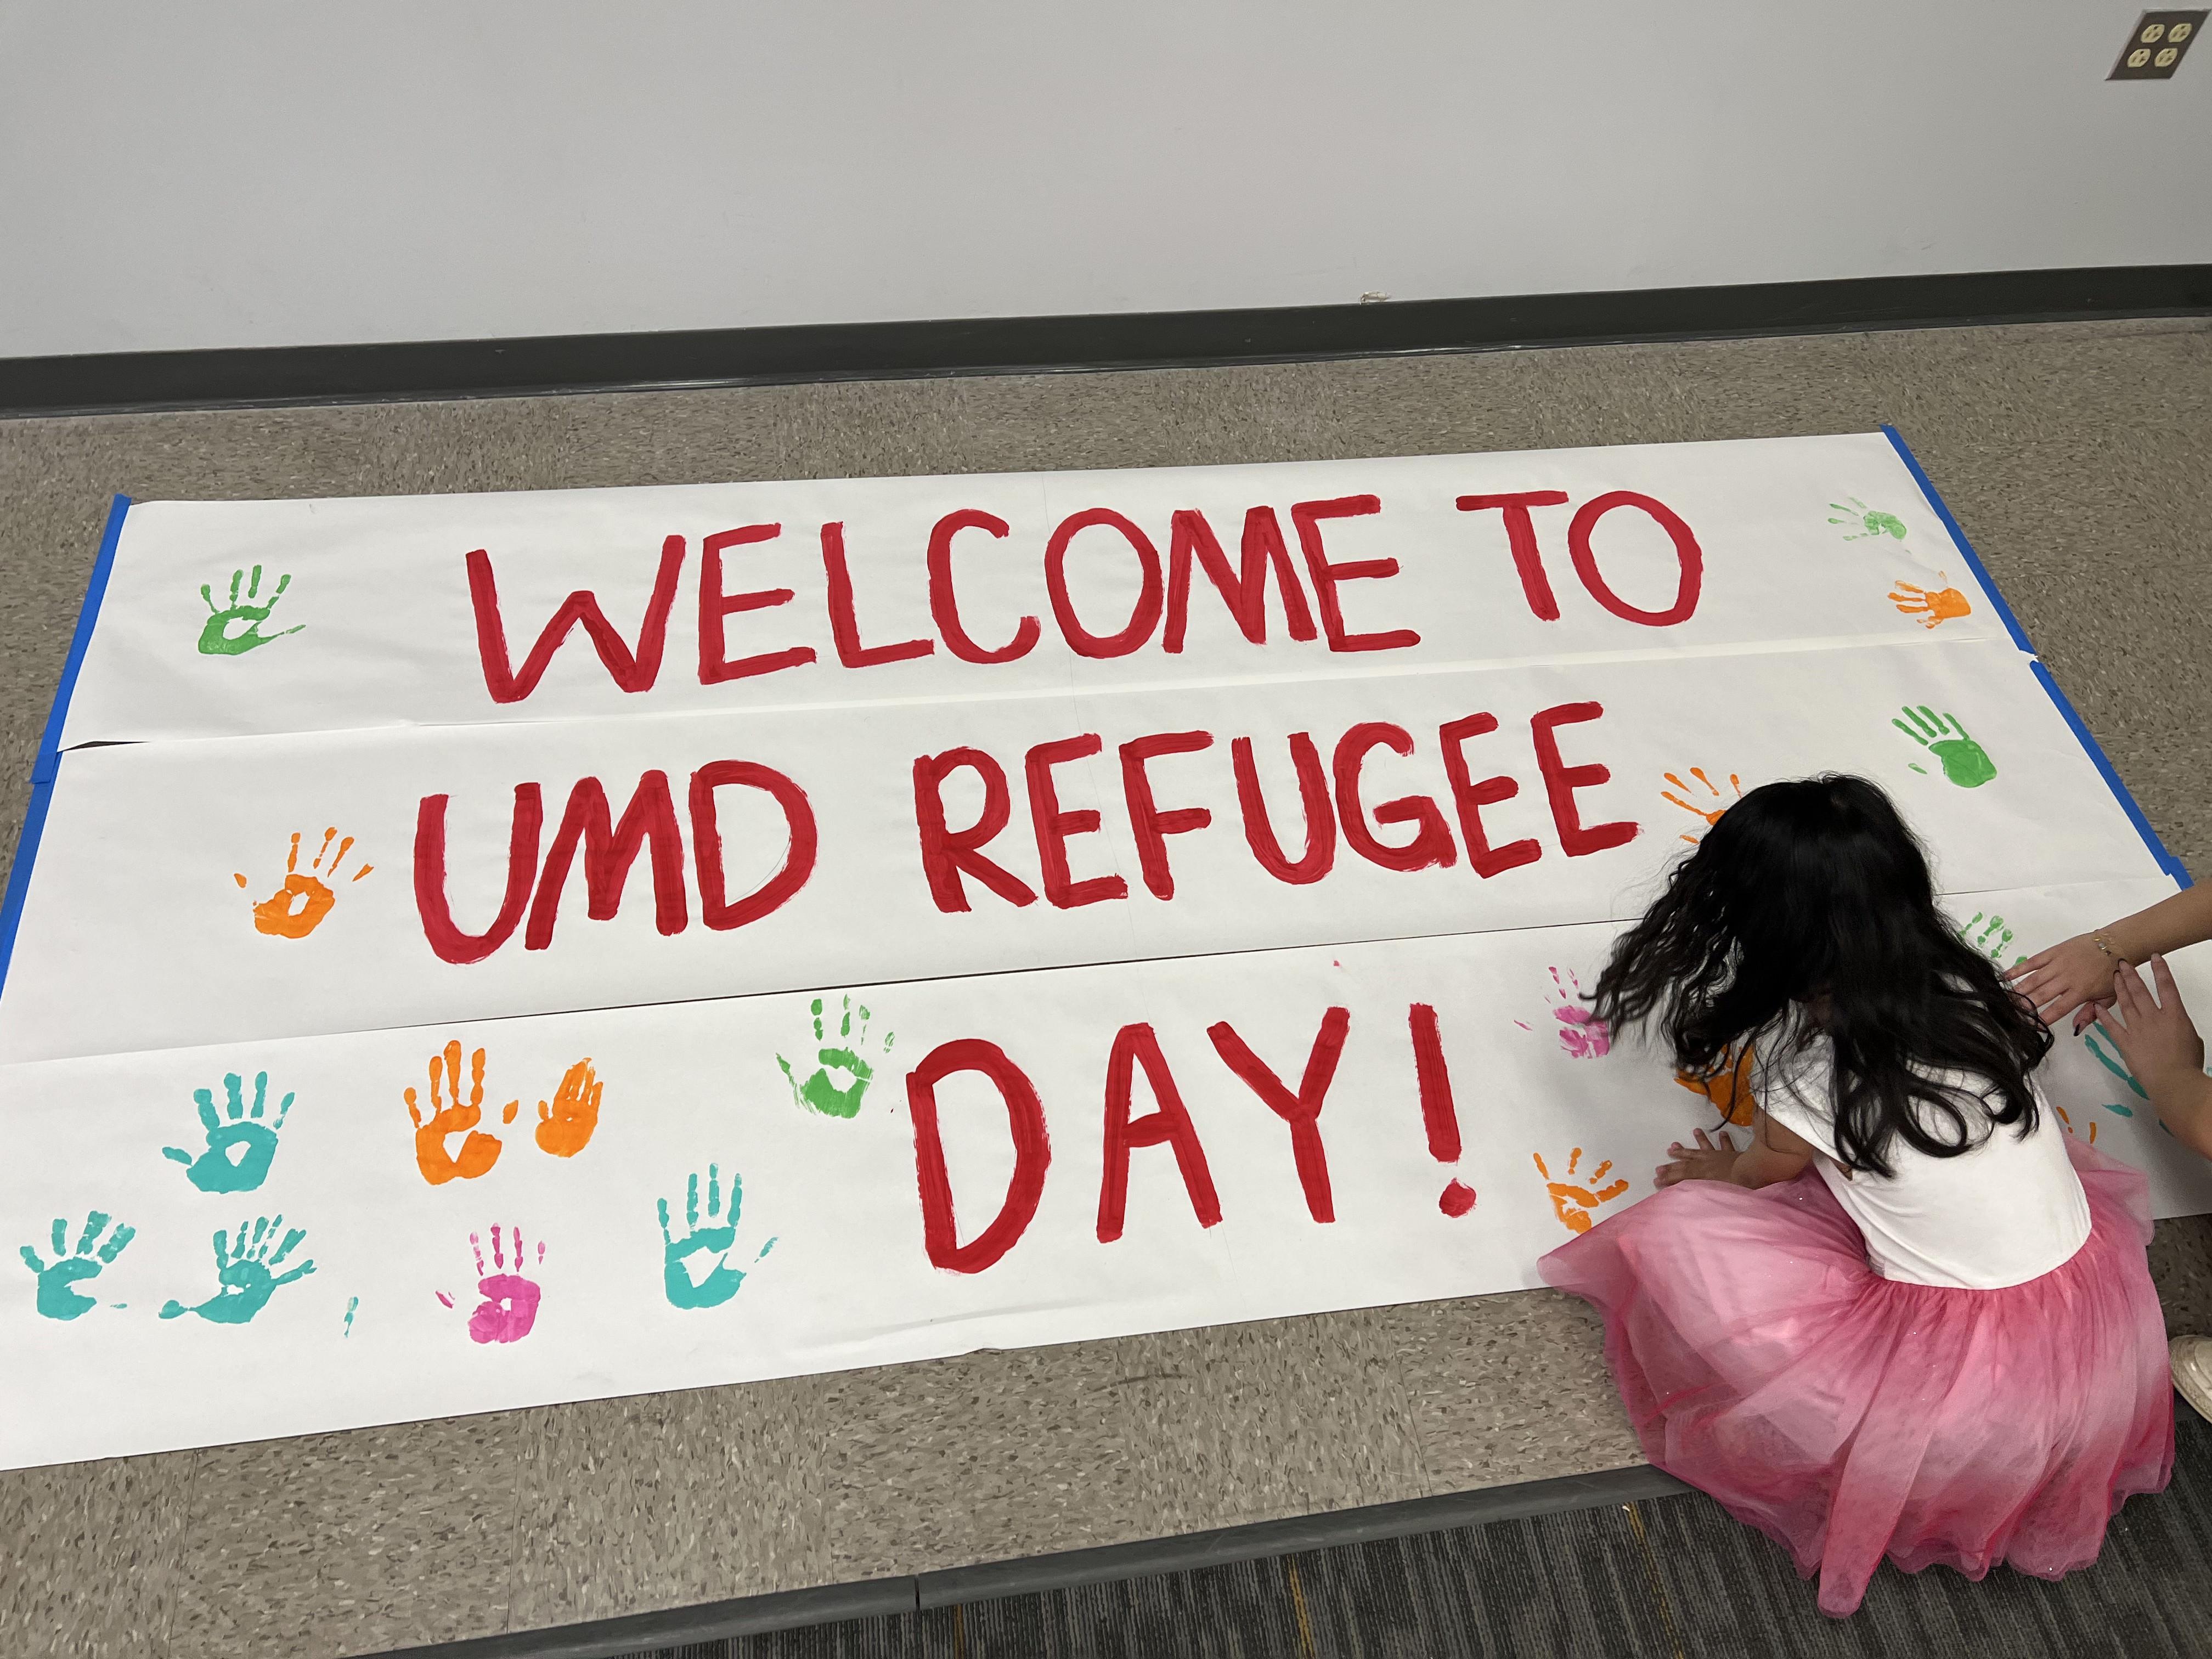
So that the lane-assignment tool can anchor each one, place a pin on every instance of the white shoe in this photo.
(2193, 1372)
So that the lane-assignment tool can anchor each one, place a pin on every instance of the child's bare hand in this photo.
(2072, 977)
(1706, 1161)
(2158, 1040)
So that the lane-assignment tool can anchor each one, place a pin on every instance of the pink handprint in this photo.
(1582, 1034)
(509, 1307)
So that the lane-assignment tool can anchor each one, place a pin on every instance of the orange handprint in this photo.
(295, 908)
(564, 1127)
(1728, 1087)
(1574, 1203)
(1931, 605)
(1711, 814)
(479, 1152)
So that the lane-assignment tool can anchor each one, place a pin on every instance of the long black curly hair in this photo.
(1808, 912)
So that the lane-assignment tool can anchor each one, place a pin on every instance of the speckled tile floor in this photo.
(2075, 457)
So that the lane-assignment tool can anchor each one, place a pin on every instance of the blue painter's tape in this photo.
(47, 766)
(50, 746)
(2166, 861)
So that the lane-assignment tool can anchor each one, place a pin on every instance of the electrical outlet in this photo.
(2153, 51)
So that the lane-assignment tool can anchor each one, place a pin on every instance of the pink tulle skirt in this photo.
(1849, 1416)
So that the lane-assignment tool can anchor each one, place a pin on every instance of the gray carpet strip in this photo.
(1670, 1578)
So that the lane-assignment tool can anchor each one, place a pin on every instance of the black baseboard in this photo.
(105, 382)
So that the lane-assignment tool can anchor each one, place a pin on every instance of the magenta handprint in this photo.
(509, 1307)
(1582, 1033)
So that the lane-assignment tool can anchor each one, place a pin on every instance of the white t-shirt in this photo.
(2008, 1211)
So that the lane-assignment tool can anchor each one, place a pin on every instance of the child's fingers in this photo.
(2169, 994)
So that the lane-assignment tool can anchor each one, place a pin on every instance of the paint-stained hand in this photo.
(246, 1272)
(58, 1297)
(241, 1144)
(479, 1152)
(1710, 1159)
(1573, 1201)
(565, 1125)
(1931, 606)
(716, 1237)
(235, 628)
(1965, 761)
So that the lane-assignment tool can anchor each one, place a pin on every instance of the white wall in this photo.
(291, 172)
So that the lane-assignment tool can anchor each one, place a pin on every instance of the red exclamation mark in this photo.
(1437, 1116)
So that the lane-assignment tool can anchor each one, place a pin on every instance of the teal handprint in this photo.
(217, 639)
(58, 1296)
(2118, 1067)
(238, 1151)
(1994, 939)
(821, 1090)
(718, 1237)
(247, 1276)
(1965, 761)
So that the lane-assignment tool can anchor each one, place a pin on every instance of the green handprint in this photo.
(821, 1091)
(1874, 523)
(1995, 938)
(216, 1170)
(247, 1276)
(1965, 761)
(717, 1238)
(215, 638)
(58, 1297)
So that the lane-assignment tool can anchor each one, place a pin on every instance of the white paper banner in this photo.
(320, 615)
(318, 1251)
(172, 907)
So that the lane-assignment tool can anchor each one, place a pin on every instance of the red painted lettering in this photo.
(1690, 559)
(1244, 589)
(1521, 538)
(608, 854)
(1439, 1118)
(1320, 852)
(945, 610)
(1561, 781)
(1307, 515)
(632, 672)
(716, 605)
(947, 854)
(1153, 826)
(715, 909)
(1053, 827)
(1471, 798)
(1432, 844)
(431, 902)
(1167, 1122)
(844, 626)
(1144, 617)
(940, 1234)
(1301, 1110)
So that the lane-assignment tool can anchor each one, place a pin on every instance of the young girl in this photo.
(1914, 1317)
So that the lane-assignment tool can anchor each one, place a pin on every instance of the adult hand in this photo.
(2158, 1041)
(2072, 977)
(1706, 1161)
